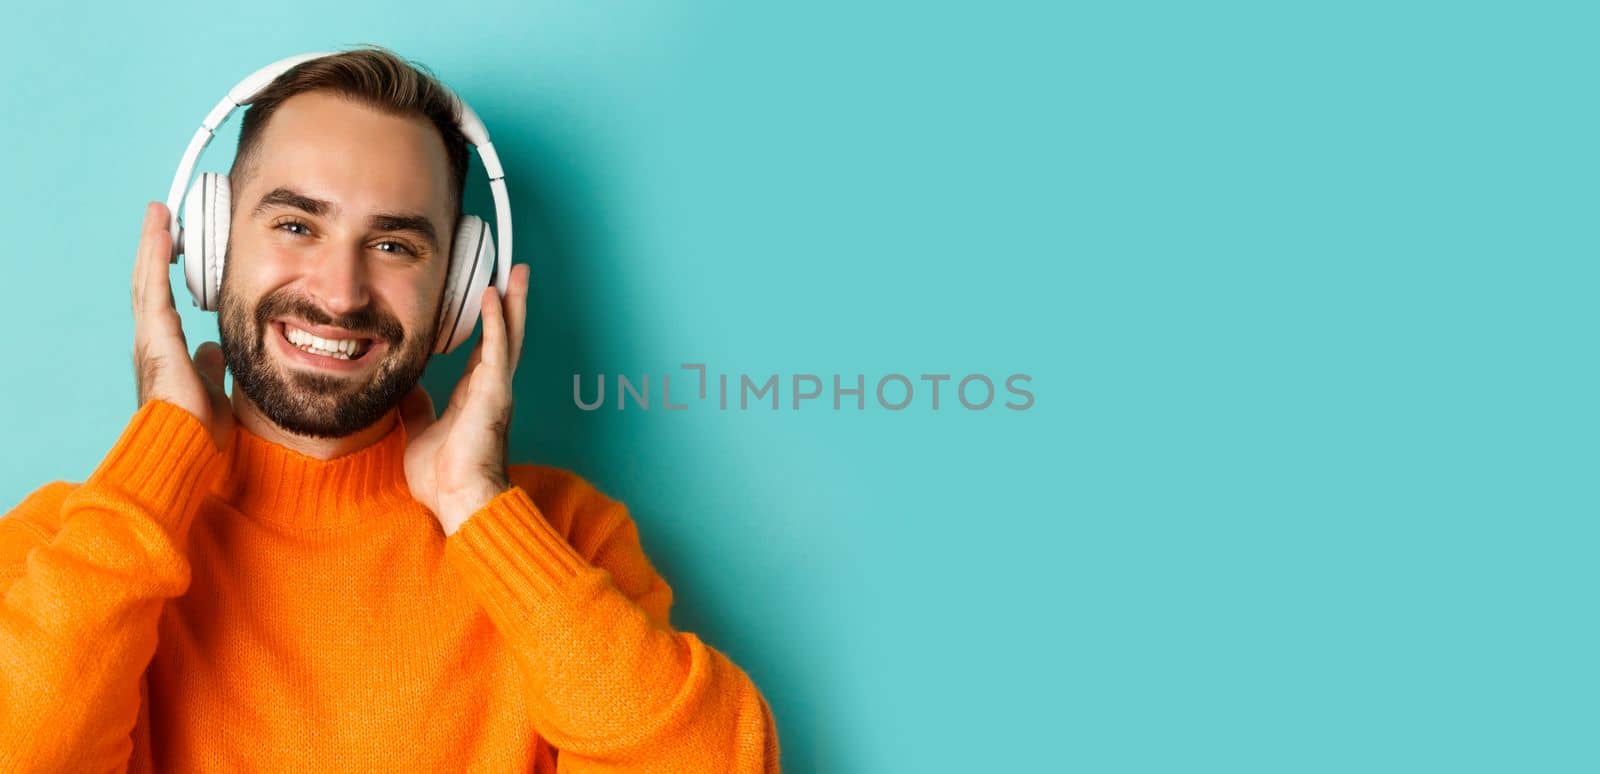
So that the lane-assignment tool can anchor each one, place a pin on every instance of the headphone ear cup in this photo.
(471, 262)
(206, 212)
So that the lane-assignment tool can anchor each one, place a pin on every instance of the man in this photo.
(317, 572)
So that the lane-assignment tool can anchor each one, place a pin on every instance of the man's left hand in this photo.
(456, 463)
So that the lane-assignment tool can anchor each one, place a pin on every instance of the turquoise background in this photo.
(1306, 292)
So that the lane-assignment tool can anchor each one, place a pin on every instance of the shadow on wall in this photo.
(560, 241)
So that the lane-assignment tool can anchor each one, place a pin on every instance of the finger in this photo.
(494, 331)
(487, 406)
(416, 411)
(152, 287)
(209, 362)
(516, 312)
(485, 396)
(140, 272)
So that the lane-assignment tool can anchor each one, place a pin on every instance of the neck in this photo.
(250, 417)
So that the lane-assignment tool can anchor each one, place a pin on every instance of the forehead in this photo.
(362, 159)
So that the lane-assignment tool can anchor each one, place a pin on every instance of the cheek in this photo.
(412, 302)
(254, 265)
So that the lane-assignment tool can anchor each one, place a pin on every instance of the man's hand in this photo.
(456, 464)
(161, 364)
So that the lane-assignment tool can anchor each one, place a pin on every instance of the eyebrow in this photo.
(285, 197)
(415, 224)
(388, 221)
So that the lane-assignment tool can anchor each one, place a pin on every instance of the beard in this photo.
(308, 403)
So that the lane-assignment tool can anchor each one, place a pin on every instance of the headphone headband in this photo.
(246, 91)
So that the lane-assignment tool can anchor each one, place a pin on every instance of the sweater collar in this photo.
(277, 484)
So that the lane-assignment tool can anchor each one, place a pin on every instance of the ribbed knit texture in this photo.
(252, 609)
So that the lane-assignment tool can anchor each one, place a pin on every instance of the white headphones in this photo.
(203, 236)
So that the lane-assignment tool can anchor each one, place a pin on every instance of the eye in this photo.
(294, 227)
(391, 246)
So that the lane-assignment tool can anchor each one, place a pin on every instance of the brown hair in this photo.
(373, 76)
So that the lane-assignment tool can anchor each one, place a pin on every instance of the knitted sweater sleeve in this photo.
(84, 572)
(610, 684)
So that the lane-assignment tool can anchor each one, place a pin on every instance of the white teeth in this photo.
(326, 353)
(343, 349)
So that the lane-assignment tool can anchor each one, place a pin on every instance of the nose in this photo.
(337, 279)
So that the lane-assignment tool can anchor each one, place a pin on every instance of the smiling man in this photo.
(318, 572)
(317, 346)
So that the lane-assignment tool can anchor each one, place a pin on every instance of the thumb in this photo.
(208, 361)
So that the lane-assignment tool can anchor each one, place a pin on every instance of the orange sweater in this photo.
(253, 609)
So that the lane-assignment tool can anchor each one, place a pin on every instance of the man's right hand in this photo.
(161, 362)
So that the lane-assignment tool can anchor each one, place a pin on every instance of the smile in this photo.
(332, 353)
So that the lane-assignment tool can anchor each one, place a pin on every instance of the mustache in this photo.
(368, 321)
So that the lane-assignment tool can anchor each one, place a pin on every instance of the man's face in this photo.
(341, 232)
